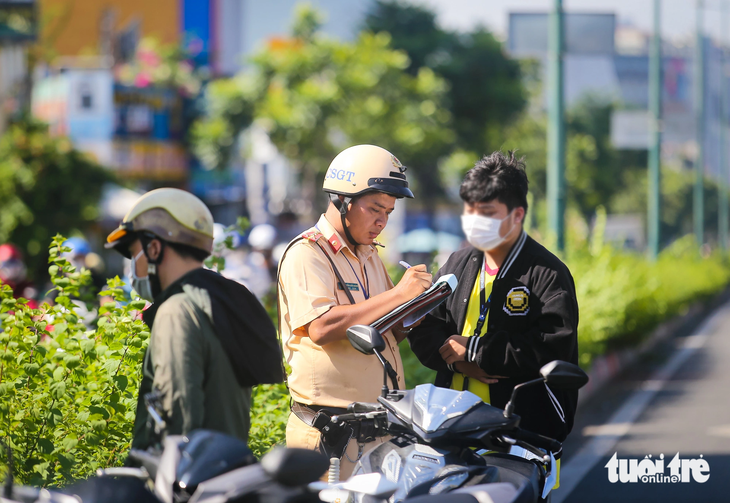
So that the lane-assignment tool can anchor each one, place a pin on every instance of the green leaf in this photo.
(95, 409)
(69, 442)
(58, 390)
(31, 368)
(59, 374)
(121, 381)
(66, 461)
(98, 425)
(72, 361)
(138, 304)
(45, 446)
(111, 365)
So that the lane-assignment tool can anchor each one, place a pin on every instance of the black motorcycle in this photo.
(447, 441)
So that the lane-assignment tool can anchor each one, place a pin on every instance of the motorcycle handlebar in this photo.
(358, 416)
(549, 444)
(364, 407)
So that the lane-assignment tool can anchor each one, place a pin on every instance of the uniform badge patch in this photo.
(517, 302)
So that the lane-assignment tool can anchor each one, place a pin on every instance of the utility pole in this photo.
(653, 217)
(556, 128)
(722, 220)
(699, 210)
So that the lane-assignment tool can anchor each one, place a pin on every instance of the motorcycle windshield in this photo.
(434, 406)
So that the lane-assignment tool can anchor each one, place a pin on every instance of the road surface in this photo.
(675, 400)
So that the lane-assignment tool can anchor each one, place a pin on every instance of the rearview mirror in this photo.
(365, 339)
(294, 467)
(563, 375)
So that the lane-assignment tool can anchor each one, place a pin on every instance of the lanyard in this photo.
(365, 292)
(483, 303)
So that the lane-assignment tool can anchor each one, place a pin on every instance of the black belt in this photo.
(332, 410)
(307, 412)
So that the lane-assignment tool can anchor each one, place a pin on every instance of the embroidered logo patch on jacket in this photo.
(517, 302)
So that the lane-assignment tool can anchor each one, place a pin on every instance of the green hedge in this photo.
(623, 297)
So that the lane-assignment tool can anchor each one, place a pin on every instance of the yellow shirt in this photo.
(334, 374)
(472, 317)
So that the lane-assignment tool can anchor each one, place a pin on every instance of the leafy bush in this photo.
(622, 296)
(68, 392)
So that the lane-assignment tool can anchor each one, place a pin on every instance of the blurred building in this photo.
(610, 61)
(96, 27)
(137, 132)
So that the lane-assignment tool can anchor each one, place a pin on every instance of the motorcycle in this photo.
(204, 466)
(447, 441)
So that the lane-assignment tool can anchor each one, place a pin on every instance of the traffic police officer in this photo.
(316, 308)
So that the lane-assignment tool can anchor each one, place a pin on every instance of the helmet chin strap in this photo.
(342, 207)
(152, 264)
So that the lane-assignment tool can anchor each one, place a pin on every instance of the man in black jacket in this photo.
(514, 310)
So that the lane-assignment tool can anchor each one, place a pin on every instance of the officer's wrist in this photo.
(404, 331)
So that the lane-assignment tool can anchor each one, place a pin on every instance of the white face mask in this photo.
(141, 285)
(483, 232)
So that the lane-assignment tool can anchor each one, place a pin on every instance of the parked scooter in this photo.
(282, 476)
(204, 466)
(448, 441)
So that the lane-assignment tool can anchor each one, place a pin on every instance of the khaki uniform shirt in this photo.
(334, 374)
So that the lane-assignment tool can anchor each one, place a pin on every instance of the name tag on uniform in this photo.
(353, 287)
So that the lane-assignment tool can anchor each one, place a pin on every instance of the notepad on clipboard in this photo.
(410, 312)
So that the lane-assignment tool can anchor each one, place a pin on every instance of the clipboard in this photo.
(418, 307)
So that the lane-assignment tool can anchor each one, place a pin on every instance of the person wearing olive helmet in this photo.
(211, 340)
(331, 278)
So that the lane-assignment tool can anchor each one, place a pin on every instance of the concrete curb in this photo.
(606, 368)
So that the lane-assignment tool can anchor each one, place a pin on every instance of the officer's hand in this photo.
(414, 282)
(474, 371)
(454, 349)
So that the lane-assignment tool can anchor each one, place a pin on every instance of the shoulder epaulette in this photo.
(312, 236)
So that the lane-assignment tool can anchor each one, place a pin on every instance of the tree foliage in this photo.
(46, 187)
(486, 92)
(315, 96)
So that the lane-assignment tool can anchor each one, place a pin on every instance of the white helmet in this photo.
(362, 169)
(366, 168)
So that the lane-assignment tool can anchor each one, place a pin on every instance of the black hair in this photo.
(184, 251)
(496, 176)
(189, 252)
